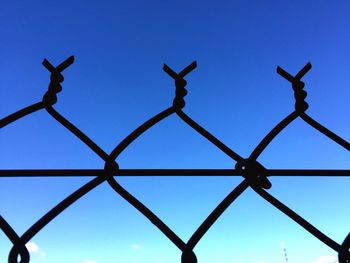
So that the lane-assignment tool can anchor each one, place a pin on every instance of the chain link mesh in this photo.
(254, 174)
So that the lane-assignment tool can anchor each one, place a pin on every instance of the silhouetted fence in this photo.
(254, 174)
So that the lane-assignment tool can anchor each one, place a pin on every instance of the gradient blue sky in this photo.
(117, 82)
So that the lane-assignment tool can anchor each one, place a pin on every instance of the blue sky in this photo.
(117, 82)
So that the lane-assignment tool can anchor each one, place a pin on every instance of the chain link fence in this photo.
(254, 174)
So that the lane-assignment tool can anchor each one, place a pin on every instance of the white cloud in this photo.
(326, 259)
(136, 246)
(32, 247)
(90, 261)
(35, 249)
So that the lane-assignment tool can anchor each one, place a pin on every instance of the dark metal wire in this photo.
(169, 172)
(254, 174)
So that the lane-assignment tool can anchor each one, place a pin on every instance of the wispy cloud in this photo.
(326, 259)
(35, 249)
(135, 246)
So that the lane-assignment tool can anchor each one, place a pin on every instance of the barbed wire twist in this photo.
(254, 174)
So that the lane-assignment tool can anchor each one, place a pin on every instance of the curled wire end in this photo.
(188, 69)
(170, 72)
(303, 71)
(344, 253)
(284, 74)
(48, 65)
(65, 64)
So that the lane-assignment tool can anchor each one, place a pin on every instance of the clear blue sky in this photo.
(117, 82)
